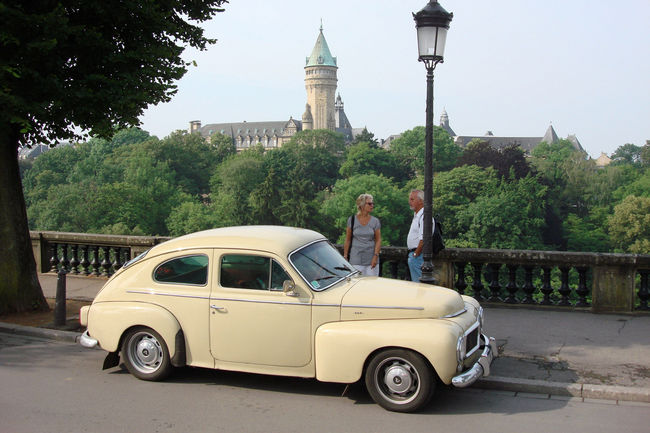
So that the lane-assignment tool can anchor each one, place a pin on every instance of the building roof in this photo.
(550, 136)
(252, 129)
(321, 55)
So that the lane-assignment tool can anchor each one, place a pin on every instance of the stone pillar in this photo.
(613, 288)
(443, 271)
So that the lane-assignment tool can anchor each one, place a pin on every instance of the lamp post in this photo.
(432, 23)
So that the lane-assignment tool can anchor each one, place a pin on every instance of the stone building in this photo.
(527, 144)
(323, 110)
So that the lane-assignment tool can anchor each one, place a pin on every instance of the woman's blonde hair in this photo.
(362, 200)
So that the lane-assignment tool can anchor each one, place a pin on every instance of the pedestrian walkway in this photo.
(574, 354)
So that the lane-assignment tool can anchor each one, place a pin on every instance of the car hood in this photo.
(383, 298)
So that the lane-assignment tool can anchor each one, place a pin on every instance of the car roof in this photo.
(278, 239)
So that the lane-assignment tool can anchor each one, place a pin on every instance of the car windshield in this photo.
(321, 265)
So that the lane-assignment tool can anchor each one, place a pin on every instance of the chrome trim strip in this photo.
(261, 302)
(456, 314)
(383, 308)
(325, 305)
(173, 295)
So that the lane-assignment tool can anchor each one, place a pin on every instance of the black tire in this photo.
(400, 380)
(145, 354)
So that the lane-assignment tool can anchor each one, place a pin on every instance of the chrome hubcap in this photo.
(145, 352)
(397, 380)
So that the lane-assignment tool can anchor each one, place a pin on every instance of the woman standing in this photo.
(363, 238)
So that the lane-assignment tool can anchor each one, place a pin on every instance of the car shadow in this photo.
(447, 400)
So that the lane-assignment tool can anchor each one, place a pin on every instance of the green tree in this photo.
(645, 154)
(549, 159)
(363, 158)
(317, 156)
(86, 65)
(223, 144)
(454, 191)
(391, 206)
(510, 217)
(627, 154)
(409, 149)
(189, 217)
(506, 161)
(365, 137)
(639, 187)
(629, 226)
(232, 185)
(587, 233)
(190, 157)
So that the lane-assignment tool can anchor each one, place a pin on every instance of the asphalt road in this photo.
(50, 386)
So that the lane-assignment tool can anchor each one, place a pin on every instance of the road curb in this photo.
(580, 390)
(31, 331)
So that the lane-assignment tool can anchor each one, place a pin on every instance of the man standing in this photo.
(415, 239)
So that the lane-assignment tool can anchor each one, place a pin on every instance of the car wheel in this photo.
(145, 354)
(400, 380)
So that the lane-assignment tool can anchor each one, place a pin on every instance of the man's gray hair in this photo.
(419, 193)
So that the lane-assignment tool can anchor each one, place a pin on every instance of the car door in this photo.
(251, 319)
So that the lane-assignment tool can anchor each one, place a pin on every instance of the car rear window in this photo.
(183, 270)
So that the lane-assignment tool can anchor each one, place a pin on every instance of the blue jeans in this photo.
(415, 266)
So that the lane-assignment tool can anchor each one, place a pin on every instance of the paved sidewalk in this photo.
(559, 353)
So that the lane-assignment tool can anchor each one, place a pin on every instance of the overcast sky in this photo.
(512, 67)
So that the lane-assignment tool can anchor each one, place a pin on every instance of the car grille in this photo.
(472, 341)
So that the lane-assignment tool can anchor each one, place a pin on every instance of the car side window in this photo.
(243, 271)
(183, 270)
(278, 276)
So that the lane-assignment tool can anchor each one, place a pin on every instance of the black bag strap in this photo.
(352, 218)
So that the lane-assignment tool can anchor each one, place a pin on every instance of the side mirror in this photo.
(288, 288)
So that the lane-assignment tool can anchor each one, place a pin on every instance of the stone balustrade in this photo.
(594, 282)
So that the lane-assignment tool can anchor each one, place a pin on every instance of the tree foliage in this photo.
(75, 66)
(508, 162)
(409, 149)
(629, 226)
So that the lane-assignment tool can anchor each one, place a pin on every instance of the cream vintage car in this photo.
(283, 301)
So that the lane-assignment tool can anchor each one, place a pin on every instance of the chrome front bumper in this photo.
(87, 341)
(481, 367)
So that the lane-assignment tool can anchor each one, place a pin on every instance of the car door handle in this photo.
(216, 307)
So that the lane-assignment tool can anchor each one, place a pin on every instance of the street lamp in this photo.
(432, 23)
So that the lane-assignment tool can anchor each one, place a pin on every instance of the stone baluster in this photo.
(529, 288)
(106, 264)
(74, 260)
(495, 287)
(461, 284)
(477, 284)
(54, 259)
(117, 263)
(65, 263)
(511, 287)
(393, 268)
(564, 290)
(95, 261)
(546, 289)
(582, 289)
(643, 290)
(85, 264)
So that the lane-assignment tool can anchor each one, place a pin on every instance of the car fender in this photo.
(107, 322)
(343, 348)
